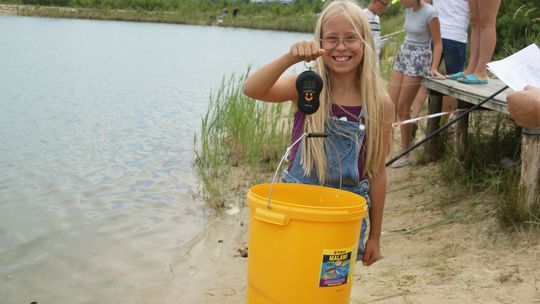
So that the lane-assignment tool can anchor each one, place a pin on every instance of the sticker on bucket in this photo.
(336, 266)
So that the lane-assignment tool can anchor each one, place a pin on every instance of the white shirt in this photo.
(375, 25)
(454, 18)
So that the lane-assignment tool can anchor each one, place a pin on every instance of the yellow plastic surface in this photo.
(286, 242)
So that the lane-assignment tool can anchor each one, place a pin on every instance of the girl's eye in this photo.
(351, 39)
(331, 39)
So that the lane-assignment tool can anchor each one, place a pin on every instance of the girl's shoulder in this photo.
(429, 10)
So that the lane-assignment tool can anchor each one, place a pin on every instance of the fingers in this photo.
(436, 74)
(369, 258)
(306, 51)
(371, 254)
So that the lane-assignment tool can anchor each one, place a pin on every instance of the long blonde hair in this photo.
(372, 93)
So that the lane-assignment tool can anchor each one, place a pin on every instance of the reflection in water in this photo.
(97, 191)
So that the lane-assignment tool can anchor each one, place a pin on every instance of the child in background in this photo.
(414, 61)
(374, 9)
(454, 19)
(355, 112)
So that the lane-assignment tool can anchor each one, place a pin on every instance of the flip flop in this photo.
(455, 76)
(401, 163)
(472, 79)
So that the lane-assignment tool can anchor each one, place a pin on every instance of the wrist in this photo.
(375, 237)
(290, 59)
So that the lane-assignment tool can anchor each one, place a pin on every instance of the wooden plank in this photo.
(529, 184)
(462, 132)
(433, 146)
(471, 93)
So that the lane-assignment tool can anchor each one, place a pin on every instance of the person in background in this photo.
(524, 107)
(374, 9)
(483, 14)
(355, 112)
(414, 60)
(454, 20)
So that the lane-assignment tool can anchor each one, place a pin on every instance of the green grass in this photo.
(238, 131)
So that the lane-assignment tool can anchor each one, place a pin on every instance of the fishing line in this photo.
(413, 120)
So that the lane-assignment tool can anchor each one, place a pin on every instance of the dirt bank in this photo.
(437, 247)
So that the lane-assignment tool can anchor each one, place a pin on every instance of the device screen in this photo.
(310, 84)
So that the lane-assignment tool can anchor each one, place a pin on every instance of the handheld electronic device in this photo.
(309, 86)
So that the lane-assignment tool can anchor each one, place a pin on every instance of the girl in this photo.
(414, 61)
(355, 112)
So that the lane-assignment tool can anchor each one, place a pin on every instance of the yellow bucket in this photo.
(303, 248)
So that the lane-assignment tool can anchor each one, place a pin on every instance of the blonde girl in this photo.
(356, 113)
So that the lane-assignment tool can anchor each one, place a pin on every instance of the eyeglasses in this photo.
(386, 4)
(350, 42)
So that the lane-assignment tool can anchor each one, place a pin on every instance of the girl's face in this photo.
(343, 45)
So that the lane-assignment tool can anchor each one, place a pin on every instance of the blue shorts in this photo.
(454, 55)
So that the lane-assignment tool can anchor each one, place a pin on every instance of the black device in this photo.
(309, 86)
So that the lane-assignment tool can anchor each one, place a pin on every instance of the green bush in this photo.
(518, 25)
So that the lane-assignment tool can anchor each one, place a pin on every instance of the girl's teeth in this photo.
(342, 58)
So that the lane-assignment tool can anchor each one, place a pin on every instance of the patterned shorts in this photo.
(413, 60)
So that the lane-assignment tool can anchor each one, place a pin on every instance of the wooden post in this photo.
(432, 150)
(529, 184)
(462, 132)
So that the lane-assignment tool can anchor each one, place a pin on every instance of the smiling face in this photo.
(343, 45)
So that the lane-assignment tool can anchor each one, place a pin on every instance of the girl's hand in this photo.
(306, 50)
(372, 252)
(434, 73)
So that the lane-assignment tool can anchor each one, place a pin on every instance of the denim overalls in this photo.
(342, 152)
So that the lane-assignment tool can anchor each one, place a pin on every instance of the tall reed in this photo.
(238, 131)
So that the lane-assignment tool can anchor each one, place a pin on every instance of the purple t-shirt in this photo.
(352, 113)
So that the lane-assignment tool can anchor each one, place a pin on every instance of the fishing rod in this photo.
(448, 124)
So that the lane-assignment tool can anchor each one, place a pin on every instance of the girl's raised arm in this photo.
(266, 83)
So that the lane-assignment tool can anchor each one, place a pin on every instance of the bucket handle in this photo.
(285, 156)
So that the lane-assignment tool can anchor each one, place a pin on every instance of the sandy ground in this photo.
(437, 248)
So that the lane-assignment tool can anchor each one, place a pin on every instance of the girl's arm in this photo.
(266, 85)
(435, 30)
(377, 193)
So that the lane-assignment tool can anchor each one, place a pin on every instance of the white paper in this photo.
(520, 69)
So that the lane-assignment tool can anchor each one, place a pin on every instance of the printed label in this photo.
(336, 267)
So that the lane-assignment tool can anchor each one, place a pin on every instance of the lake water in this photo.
(97, 186)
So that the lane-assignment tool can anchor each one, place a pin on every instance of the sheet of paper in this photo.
(520, 69)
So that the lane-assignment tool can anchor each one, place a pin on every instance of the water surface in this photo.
(97, 188)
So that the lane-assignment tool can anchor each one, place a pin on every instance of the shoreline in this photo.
(169, 17)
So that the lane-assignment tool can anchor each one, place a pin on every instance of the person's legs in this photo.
(474, 45)
(409, 89)
(488, 36)
(454, 56)
(418, 102)
(394, 88)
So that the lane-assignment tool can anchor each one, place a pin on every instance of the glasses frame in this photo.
(341, 40)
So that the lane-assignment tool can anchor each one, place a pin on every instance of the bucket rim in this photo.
(308, 212)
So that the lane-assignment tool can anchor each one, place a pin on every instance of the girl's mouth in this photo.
(341, 58)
